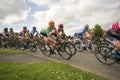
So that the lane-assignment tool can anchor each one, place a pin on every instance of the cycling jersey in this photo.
(23, 34)
(59, 31)
(33, 32)
(81, 33)
(46, 32)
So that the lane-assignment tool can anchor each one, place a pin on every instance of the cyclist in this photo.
(34, 33)
(112, 35)
(11, 33)
(24, 34)
(5, 34)
(5, 37)
(1, 39)
(60, 30)
(46, 34)
(82, 34)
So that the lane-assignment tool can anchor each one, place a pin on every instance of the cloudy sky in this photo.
(72, 13)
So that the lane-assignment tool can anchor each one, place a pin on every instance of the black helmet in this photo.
(34, 27)
(24, 27)
(11, 28)
(5, 29)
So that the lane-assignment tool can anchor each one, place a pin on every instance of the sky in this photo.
(73, 14)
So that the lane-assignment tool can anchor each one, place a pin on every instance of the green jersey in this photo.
(47, 30)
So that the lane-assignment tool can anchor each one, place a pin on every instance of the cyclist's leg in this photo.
(84, 42)
(45, 40)
(117, 46)
(52, 42)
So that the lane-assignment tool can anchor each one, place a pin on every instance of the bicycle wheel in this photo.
(103, 55)
(44, 49)
(32, 46)
(65, 51)
(72, 48)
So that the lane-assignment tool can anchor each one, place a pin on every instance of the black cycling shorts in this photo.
(44, 34)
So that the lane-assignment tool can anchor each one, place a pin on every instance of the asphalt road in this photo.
(21, 58)
(87, 62)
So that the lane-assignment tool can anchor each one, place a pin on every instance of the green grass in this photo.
(43, 71)
(11, 51)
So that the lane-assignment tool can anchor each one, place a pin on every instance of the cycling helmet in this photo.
(86, 26)
(5, 29)
(51, 23)
(60, 26)
(115, 26)
(34, 27)
(24, 27)
(11, 29)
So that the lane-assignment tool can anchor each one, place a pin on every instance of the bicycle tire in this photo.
(65, 51)
(104, 57)
(72, 48)
(32, 46)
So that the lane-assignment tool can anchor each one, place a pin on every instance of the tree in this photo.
(98, 31)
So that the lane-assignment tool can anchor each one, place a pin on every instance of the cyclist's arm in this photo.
(58, 34)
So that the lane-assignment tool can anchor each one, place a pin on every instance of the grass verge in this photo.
(43, 71)
(11, 51)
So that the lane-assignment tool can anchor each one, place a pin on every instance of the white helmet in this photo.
(86, 26)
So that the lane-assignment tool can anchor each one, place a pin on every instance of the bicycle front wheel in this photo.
(65, 51)
(32, 46)
(103, 55)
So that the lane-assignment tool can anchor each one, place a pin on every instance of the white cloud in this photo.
(13, 11)
(103, 12)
